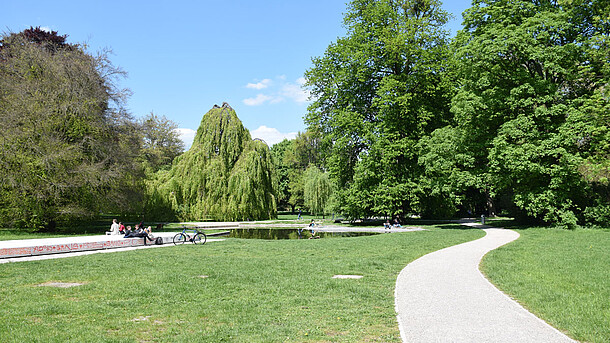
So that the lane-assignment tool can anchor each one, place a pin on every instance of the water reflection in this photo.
(290, 234)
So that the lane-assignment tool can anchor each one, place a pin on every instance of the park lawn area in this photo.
(561, 276)
(236, 290)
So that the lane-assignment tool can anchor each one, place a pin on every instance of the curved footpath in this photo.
(443, 297)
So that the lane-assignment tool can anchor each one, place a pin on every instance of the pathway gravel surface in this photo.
(443, 297)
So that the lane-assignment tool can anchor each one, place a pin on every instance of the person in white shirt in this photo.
(114, 228)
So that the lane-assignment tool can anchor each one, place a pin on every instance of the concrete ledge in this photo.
(46, 246)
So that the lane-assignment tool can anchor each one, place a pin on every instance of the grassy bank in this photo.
(561, 276)
(236, 291)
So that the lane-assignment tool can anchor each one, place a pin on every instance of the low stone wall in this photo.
(23, 248)
(69, 247)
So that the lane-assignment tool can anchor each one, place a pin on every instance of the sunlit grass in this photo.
(236, 291)
(561, 276)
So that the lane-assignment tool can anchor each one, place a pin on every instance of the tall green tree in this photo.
(303, 152)
(161, 142)
(225, 175)
(531, 72)
(448, 178)
(317, 190)
(291, 159)
(376, 92)
(282, 170)
(67, 144)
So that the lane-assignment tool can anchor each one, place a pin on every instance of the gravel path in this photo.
(443, 297)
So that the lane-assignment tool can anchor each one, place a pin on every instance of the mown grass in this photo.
(561, 276)
(253, 291)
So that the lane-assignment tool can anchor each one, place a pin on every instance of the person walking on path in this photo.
(443, 297)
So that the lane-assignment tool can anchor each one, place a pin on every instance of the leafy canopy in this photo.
(67, 144)
(533, 75)
(376, 92)
(225, 175)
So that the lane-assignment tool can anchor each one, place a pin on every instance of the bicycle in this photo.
(196, 238)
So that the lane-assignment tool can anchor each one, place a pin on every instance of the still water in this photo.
(293, 233)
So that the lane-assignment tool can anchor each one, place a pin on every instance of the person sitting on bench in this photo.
(396, 222)
(138, 232)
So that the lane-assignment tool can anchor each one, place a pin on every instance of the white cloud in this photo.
(44, 28)
(279, 90)
(271, 135)
(187, 136)
(260, 85)
(276, 99)
(296, 92)
(259, 100)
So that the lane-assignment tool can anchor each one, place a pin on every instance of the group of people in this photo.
(395, 224)
(117, 228)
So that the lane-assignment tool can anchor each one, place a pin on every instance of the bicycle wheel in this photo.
(179, 238)
(200, 238)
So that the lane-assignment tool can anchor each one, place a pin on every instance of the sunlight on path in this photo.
(443, 297)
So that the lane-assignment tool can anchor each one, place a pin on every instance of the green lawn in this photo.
(254, 291)
(561, 276)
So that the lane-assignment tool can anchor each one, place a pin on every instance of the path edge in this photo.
(398, 319)
(484, 228)
(511, 299)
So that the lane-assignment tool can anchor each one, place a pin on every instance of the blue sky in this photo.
(183, 57)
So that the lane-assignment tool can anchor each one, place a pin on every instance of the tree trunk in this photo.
(491, 208)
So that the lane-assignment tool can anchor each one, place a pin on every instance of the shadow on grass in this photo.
(491, 222)
(456, 227)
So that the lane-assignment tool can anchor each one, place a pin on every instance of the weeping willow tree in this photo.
(317, 190)
(225, 175)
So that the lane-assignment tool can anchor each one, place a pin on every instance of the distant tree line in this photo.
(70, 150)
(509, 117)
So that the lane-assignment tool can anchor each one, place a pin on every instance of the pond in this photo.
(293, 233)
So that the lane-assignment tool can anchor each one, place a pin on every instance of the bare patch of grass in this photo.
(356, 277)
(61, 284)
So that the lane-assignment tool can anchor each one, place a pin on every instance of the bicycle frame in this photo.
(192, 235)
(189, 236)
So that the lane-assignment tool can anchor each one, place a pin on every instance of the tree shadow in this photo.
(456, 226)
